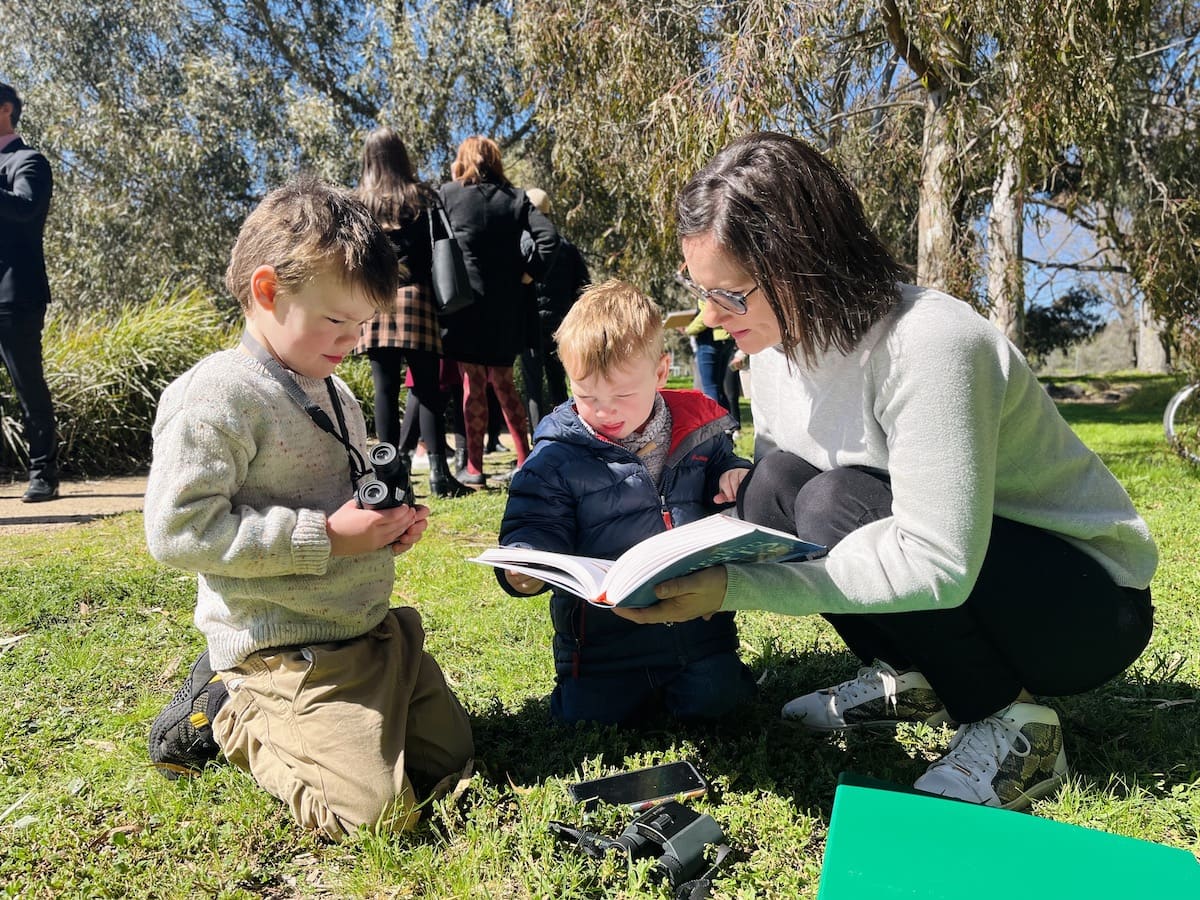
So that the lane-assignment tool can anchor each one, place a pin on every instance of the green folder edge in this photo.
(887, 841)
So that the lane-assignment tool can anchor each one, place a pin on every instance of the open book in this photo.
(629, 579)
(679, 318)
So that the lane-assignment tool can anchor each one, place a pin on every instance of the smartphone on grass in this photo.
(641, 788)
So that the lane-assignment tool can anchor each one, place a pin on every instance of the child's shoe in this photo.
(1005, 760)
(181, 738)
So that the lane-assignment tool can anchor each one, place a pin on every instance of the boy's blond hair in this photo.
(609, 325)
(308, 228)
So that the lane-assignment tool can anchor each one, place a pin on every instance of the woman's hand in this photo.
(694, 596)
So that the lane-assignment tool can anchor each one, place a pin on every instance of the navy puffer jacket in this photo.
(581, 494)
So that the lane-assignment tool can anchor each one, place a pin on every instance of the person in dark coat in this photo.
(489, 216)
(553, 295)
(621, 462)
(400, 204)
(25, 188)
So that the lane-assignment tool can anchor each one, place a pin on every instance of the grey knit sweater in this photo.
(238, 492)
(936, 397)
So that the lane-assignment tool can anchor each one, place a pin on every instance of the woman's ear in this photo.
(263, 285)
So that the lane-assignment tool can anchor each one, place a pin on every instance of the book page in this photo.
(712, 541)
(580, 575)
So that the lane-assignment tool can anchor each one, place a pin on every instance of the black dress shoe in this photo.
(40, 490)
(471, 479)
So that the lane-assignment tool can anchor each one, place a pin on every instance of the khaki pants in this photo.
(348, 733)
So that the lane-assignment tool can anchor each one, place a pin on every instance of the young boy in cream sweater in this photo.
(310, 681)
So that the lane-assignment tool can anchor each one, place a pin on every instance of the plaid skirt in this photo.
(413, 325)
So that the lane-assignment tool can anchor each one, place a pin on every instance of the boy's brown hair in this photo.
(609, 325)
(308, 228)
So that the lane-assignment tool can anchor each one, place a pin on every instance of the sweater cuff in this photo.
(770, 587)
(310, 543)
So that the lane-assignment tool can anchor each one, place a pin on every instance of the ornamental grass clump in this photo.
(106, 371)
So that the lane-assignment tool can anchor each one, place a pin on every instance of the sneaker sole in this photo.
(940, 718)
(1036, 792)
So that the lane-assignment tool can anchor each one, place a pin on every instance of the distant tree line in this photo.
(960, 122)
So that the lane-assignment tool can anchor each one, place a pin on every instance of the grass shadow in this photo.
(751, 751)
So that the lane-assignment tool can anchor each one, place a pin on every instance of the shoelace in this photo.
(982, 745)
(868, 676)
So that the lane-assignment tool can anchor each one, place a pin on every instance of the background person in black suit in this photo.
(25, 188)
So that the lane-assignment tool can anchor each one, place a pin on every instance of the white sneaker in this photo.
(878, 696)
(1006, 760)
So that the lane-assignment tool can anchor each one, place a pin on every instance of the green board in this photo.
(893, 843)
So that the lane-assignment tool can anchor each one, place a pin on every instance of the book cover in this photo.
(679, 318)
(629, 580)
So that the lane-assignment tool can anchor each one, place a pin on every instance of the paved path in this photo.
(78, 502)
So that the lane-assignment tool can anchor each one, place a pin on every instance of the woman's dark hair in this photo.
(388, 184)
(794, 223)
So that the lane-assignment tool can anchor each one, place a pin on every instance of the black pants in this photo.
(387, 373)
(543, 376)
(1043, 615)
(21, 349)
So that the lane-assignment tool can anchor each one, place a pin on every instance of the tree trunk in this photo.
(1151, 350)
(1006, 228)
(935, 217)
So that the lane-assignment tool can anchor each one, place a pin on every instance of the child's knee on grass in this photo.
(710, 688)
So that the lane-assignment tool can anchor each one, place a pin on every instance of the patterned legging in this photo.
(475, 382)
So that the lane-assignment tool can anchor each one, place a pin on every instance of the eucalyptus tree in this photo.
(1142, 198)
(166, 120)
(937, 108)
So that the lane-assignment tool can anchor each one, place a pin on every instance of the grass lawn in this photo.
(95, 636)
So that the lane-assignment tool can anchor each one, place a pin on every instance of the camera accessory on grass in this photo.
(672, 834)
(391, 485)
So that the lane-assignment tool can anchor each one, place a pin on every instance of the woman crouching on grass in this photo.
(979, 555)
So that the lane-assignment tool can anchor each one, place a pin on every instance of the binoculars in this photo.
(391, 484)
(670, 832)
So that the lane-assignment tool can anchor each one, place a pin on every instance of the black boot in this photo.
(441, 482)
(460, 459)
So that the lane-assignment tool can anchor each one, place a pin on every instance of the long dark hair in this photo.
(794, 222)
(389, 185)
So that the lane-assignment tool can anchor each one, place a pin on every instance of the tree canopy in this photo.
(959, 122)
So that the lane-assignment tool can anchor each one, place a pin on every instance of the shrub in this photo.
(356, 372)
(106, 372)
(1067, 321)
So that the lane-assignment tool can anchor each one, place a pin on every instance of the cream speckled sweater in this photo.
(935, 396)
(239, 489)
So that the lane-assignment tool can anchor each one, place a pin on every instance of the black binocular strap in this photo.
(358, 466)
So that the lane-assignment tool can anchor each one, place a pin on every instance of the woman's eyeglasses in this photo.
(730, 301)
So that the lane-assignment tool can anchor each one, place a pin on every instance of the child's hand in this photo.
(413, 533)
(730, 482)
(522, 583)
(353, 531)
